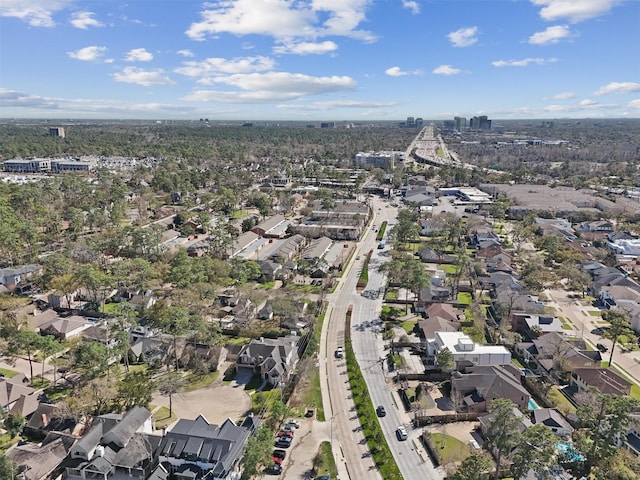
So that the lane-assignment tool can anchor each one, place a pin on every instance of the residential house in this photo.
(430, 226)
(428, 327)
(444, 310)
(11, 277)
(197, 449)
(16, 396)
(116, 446)
(552, 351)
(605, 380)
(530, 325)
(495, 259)
(318, 248)
(41, 461)
(556, 226)
(474, 390)
(266, 312)
(523, 421)
(270, 270)
(605, 226)
(274, 359)
(465, 352)
(65, 328)
(150, 350)
(610, 295)
(45, 420)
(429, 255)
(432, 294)
(554, 420)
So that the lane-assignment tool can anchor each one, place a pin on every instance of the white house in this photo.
(464, 350)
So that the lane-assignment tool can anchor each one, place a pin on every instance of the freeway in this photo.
(347, 440)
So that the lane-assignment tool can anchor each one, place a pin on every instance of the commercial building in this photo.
(57, 132)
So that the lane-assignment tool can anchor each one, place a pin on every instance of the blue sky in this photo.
(358, 60)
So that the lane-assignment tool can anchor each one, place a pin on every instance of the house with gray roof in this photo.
(41, 461)
(117, 446)
(65, 328)
(473, 391)
(17, 397)
(273, 227)
(11, 277)
(199, 450)
(274, 359)
(553, 419)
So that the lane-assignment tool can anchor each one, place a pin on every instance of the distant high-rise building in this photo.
(57, 132)
(448, 125)
(547, 124)
(460, 123)
(410, 121)
(419, 121)
(327, 125)
(480, 123)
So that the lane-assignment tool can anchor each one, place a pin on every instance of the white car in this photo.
(339, 353)
(294, 423)
(401, 432)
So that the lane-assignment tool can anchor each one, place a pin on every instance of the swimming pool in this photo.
(567, 450)
(533, 405)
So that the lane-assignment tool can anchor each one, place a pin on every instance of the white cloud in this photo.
(634, 103)
(86, 107)
(185, 53)
(138, 55)
(88, 54)
(282, 19)
(446, 70)
(574, 10)
(397, 72)
(587, 103)
(550, 35)
(464, 37)
(37, 13)
(411, 5)
(146, 78)
(84, 20)
(564, 95)
(330, 105)
(523, 63)
(272, 86)
(305, 48)
(618, 87)
(211, 67)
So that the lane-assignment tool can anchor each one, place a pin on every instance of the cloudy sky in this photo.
(319, 59)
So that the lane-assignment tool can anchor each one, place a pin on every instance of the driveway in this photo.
(216, 402)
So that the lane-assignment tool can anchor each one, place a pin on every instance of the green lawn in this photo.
(560, 401)
(450, 449)
(162, 418)
(635, 392)
(5, 372)
(326, 463)
(465, 298)
(595, 313)
(408, 326)
(239, 214)
(196, 382)
(448, 269)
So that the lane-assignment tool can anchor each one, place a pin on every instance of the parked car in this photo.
(380, 411)
(282, 442)
(274, 469)
(603, 348)
(284, 433)
(294, 422)
(280, 454)
(288, 427)
(277, 461)
(401, 433)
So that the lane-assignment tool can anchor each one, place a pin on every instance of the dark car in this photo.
(603, 348)
(282, 442)
(380, 411)
(323, 477)
(280, 454)
(274, 469)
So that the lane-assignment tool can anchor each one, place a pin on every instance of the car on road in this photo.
(599, 330)
(380, 411)
(339, 353)
(274, 469)
(358, 257)
(603, 348)
(282, 454)
(401, 433)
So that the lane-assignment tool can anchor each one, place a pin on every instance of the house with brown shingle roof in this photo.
(605, 380)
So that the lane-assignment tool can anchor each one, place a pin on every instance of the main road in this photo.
(348, 443)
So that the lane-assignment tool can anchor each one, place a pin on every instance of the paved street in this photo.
(348, 442)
